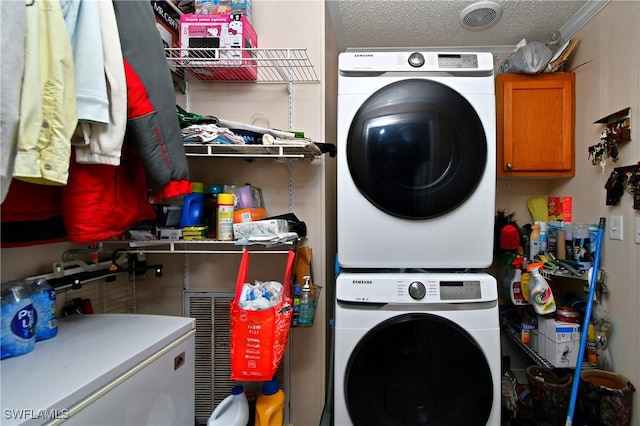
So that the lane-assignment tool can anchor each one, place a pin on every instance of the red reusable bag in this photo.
(259, 338)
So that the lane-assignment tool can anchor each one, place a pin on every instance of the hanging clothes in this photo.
(153, 128)
(48, 115)
(12, 16)
(103, 142)
(82, 20)
(103, 201)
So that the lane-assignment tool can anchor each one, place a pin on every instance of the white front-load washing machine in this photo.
(416, 159)
(416, 349)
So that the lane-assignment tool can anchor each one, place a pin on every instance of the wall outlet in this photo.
(637, 234)
(615, 228)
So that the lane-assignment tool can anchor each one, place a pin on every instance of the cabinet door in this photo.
(535, 124)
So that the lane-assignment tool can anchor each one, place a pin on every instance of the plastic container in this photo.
(17, 329)
(211, 208)
(541, 296)
(550, 392)
(606, 396)
(297, 296)
(43, 297)
(515, 289)
(225, 217)
(270, 405)
(193, 206)
(232, 411)
(306, 304)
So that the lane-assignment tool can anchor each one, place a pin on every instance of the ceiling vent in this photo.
(480, 15)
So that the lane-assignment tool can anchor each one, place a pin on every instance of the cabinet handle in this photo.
(509, 166)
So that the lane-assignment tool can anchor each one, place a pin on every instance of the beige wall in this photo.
(607, 66)
(611, 41)
(279, 24)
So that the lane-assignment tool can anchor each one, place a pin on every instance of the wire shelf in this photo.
(302, 150)
(261, 65)
(535, 357)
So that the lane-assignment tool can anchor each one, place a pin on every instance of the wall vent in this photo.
(212, 363)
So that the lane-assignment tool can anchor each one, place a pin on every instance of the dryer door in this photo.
(416, 149)
(418, 369)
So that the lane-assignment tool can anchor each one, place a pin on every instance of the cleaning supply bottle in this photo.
(17, 330)
(210, 207)
(192, 206)
(232, 411)
(305, 316)
(297, 296)
(515, 286)
(541, 296)
(270, 405)
(224, 231)
(43, 297)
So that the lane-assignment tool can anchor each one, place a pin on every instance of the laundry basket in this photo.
(606, 396)
(550, 391)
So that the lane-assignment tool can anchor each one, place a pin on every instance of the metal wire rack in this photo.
(262, 65)
(301, 150)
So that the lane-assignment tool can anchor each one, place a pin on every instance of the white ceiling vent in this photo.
(480, 15)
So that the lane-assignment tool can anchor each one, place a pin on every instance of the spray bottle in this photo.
(515, 287)
(541, 296)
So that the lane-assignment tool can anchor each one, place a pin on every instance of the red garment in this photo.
(31, 214)
(145, 133)
(103, 201)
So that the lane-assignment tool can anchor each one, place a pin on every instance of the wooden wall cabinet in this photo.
(535, 124)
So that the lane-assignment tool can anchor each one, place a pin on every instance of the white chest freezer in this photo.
(111, 369)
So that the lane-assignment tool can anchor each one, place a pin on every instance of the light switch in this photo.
(615, 228)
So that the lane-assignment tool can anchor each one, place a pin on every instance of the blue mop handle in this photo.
(585, 326)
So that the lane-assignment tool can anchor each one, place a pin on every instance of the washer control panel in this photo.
(416, 288)
(460, 290)
(446, 290)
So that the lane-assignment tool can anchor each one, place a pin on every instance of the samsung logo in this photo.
(362, 281)
(363, 55)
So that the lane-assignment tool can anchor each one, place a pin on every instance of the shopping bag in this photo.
(259, 337)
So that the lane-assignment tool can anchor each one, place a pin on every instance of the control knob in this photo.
(417, 290)
(416, 60)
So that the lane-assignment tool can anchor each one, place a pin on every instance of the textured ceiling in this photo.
(435, 23)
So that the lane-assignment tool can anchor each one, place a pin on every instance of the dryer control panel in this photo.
(416, 288)
(398, 61)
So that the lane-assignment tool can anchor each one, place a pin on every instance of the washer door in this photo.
(418, 369)
(416, 149)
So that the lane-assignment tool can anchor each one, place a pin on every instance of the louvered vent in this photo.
(212, 367)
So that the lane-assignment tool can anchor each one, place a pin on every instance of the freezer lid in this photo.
(89, 352)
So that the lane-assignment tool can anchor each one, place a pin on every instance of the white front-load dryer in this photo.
(416, 349)
(416, 160)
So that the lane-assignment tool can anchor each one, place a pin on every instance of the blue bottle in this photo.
(43, 297)
(193, 206)
(17, 329)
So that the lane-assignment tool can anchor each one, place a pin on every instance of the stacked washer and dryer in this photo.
(417, 337)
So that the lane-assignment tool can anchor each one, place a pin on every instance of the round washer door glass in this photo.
(418, 369)
(416, 149)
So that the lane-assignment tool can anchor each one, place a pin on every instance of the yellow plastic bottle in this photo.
(541, 296)
(270, 405)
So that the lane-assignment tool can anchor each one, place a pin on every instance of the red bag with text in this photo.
(259, 337)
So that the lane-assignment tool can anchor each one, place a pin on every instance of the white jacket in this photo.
(103, 142)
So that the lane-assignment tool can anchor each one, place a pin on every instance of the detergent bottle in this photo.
(541, 296)
(232, 411)
(270, 405)
(192, 206)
